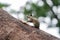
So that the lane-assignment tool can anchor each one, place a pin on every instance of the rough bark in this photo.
(13, 29)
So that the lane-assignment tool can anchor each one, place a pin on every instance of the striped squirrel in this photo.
(33, 20)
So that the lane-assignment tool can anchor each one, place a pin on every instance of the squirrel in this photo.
(34, 21)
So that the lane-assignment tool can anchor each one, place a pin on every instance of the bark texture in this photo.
(14, 29)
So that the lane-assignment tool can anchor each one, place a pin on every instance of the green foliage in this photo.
(40, 11)
(3, 5)
(55, 2)
(27, 11)
(58, 23)
(59, 2)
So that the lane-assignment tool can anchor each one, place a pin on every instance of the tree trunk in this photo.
(13, 29)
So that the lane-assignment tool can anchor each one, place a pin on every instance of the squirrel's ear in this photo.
(30, 14)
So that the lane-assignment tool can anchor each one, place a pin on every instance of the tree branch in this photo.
(13, 29)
